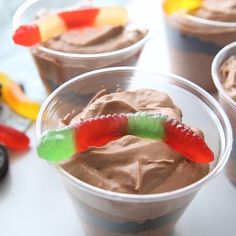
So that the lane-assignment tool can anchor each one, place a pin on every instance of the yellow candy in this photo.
(112, 16)
(172, 6)
(50, 26)
(17, 100)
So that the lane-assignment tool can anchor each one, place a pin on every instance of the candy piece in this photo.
(111, 16)
(4, 161)
(50, 26)
(147, 126)
(17, 100)
(79, 17)
(57, 144)
(99, 131)
(27, 35)
(13, 139)
(183, 140)
(60, 144)
(55, 24)
(172, 6)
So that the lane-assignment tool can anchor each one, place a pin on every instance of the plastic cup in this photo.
(226, 101)
(105, 213)
(56, 67)
(193, 43)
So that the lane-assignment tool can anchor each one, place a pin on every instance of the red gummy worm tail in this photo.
(99, 131)
(183, 140)
(80, 17)
(27, 35)
(13, 139)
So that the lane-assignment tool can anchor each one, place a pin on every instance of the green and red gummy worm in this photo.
(62, 143)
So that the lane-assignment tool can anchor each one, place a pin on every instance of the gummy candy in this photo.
(55, 24)
(182, 139)
(172, 6)
(60, 144)
(14, 97)
(13, 139)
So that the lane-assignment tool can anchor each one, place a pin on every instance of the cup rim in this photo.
(208, 22)
(219, 58)
(26, 4)
(124, 197)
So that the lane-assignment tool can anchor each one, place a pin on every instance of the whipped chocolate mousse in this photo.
(132, 164)
(91, 40)
(194, 41)
(55, 68)
(228, 76)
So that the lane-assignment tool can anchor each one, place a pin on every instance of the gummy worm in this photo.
(13, 95)
(13, 139)
(55, 24)
(62, 143)
(172, 6)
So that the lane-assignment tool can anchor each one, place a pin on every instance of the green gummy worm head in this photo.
(57, 145)
(146, 125)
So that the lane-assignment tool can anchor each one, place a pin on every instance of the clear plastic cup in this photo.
(226, 101)
(193, 43)
(105, 213)
(56, 67)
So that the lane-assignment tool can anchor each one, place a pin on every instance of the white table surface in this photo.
(33, 201)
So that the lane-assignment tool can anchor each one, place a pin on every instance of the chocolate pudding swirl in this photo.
(96, 39)
(132, 164)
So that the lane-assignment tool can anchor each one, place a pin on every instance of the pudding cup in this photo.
(193, 43)
(56, 67)
(106, 213)
(226, 101)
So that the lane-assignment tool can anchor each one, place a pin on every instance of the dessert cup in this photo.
(56, 67)
(193, 42)
(226, 101)
(106, 213)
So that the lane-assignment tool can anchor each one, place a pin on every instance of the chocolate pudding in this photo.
(228, 76)
(196, 37)
(133, 165)
(82, 50)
